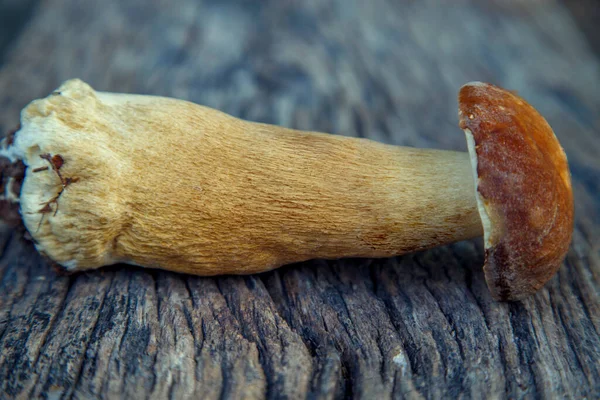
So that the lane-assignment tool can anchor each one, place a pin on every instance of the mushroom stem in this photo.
(251, 197)
(165, 183)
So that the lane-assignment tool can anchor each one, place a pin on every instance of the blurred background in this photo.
(382, 69)
(389, 70)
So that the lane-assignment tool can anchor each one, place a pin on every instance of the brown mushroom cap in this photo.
(523, 189)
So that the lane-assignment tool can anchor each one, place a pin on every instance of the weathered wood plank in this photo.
(419, 326)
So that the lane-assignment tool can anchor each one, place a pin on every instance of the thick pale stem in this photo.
(252, 197)
(169, 184)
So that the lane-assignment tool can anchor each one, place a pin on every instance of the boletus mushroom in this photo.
(164, 183)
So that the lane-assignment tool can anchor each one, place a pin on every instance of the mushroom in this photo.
(164, 183)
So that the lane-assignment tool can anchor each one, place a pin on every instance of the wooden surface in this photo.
(419, 326)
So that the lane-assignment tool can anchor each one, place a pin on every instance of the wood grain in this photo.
(418, 326)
